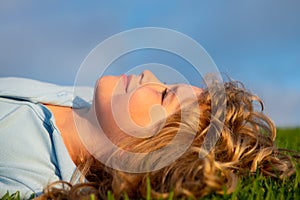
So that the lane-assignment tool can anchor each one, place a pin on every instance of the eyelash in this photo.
(164, 94)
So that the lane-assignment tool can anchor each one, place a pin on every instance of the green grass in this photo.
(252, 187)
(289, 138)
(15, 196)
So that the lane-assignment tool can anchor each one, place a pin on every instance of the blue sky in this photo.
(256, 42)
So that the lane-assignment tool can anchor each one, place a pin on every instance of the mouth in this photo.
(125, 80)
(128, 79)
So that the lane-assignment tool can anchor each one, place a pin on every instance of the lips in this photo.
(128, 79)
(124, 80)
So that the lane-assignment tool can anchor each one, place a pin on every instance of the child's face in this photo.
(134, 103)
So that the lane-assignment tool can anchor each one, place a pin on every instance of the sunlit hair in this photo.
(245, 146)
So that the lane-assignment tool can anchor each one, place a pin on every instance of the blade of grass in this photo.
(171, 195)
(148, 189)
(110, 196)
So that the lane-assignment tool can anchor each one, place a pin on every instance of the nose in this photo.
(148, 76)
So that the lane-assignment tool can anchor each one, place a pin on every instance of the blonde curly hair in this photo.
(245, 145)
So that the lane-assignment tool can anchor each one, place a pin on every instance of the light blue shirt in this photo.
(33, 153)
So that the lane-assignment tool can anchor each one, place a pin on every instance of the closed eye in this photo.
(164, 94)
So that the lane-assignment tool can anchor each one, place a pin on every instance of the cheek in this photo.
(145, 107)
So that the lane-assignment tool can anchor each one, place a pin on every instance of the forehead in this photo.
(181, 95)
(185, 91)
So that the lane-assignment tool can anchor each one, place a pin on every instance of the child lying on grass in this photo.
(188, 140)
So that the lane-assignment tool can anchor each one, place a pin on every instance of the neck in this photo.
(66, 125)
